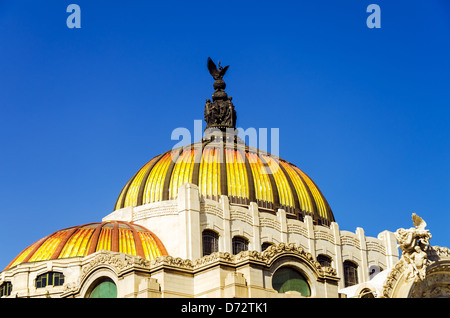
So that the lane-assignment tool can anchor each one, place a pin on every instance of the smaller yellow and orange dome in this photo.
(114, 236)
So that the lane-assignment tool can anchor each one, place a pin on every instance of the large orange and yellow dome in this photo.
(222, 164)
(115, 236)
(242, 173)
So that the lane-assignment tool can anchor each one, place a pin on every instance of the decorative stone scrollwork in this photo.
(265, 258)
(276, 250)
(172, 261)
(218, 256)
(117, 262)
(122, 263)
(71, 287)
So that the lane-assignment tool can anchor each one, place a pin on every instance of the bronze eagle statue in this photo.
(216, 73)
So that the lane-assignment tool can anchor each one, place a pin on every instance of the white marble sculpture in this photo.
(414, 243)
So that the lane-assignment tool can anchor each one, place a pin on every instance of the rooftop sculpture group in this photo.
(414, 243)
(219, 113)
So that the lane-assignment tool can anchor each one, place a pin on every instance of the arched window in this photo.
(5, 289)
(265, 246)
(50, 278)
(239, 244)
(104, 288)
(288, 279)
(210, 241)
(350, 273)
(324, 260)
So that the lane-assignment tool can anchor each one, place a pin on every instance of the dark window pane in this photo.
(210, 241)
(350, 273)
(5, 289)
(324, 260)
(265, 246)
(239, 244)
(50, 278)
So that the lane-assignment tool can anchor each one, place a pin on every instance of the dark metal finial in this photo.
(220, 112)
(216, 73)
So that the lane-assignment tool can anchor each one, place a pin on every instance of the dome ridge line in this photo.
(168, 176)
(140, 197)
(38, 245)
(327, 206)
(223, 172)
(35, 248)
(297, 208)
(197, 160)
(315, 212)
(115, 237)
(95, 236)
(276, 195)
(136, 239)
(63, 242)
(125, 190)
(250, 177)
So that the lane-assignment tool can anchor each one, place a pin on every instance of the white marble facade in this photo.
(185, 272)
(179, 224)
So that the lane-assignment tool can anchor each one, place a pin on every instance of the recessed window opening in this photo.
(210, 241)
(50, 279)
(239, 244)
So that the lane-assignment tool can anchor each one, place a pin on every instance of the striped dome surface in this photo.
(115, 236)
(242, 173)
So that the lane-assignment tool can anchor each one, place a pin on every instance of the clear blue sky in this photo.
(364, 112)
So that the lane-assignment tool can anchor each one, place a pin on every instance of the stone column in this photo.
(390, 244)
(254, 211)
(226, 237)
(364, 270)
(188, 201)
(311, 237)
(338, 262)
(281, 215)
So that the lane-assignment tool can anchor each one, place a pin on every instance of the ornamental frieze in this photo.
(172, 261)
(123, 262)
(116, 261)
